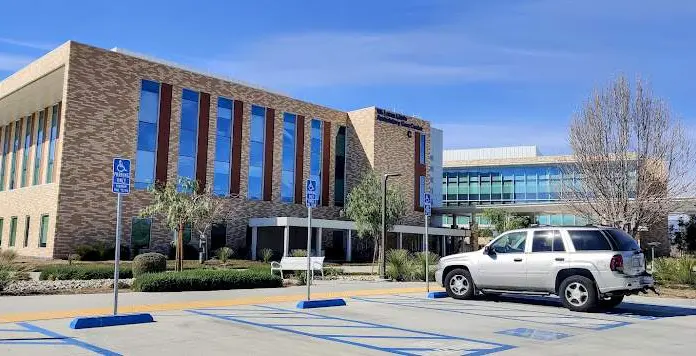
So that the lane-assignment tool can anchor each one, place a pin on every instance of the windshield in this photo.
(622, 240)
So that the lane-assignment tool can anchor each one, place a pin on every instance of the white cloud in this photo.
(27, 44)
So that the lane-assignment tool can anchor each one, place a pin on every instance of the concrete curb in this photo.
(320, 303)
(110, 320)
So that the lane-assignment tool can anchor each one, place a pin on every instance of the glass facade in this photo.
(287, 179)
(52, 144)
(5, 150)
(422, 149)
(13, 158)
(148, 117)
(43, 232)
(28, 134)
(315, 138)
(140, 233)
(421, 196)
(188, 134)
(39, 149)
(256, 152)
(223, 148)
(340, 169)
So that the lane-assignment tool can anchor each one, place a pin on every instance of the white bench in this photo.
(298, 264)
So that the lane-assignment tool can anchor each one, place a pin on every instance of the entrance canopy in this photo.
(351, 225)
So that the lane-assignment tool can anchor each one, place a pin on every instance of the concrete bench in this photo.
(298, 264)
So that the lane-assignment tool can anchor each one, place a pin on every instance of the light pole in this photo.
(382, 254)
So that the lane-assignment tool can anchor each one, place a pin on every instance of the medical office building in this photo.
(64, 117)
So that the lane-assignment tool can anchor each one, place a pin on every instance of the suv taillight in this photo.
(616, 263)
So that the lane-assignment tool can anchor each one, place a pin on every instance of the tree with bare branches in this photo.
(631, 158)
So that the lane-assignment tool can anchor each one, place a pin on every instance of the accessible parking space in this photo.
(402, 324)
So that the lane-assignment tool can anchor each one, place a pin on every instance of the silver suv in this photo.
(587, 267)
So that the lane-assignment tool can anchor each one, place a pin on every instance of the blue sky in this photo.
(491, 73)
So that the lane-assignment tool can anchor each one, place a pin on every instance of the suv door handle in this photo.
(560, 259)
(518, 260)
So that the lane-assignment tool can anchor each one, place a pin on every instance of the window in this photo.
(510, 243)
(218, 236)
(26, 230)
(315, 155)
(28, 131)
(39, 149)
(421, 198)
(256, 152)
(287, 179)
(622, 240)
(52, 144)
(422, 149)
(148, 117)
(589, 240)
(223, 148)
(188, 139)
(4, 151)
(13, 230)
(547, 241)
(340, 169)
(15, 148)
(187, 234)
(2, 224)
(140, 233)
(43, 232)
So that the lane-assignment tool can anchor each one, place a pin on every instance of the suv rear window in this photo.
(589, 240)
(622, 240)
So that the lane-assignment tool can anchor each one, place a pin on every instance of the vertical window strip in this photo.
(140, 233)
(38, 150)
(188, 134)
(52, 145)
(4, 151)
(27, 225)
(340, 168)
(222, 165)
(422, 148)
(15, 148)
(13, 231)
(43, 232)
(28, 135)
(287, 190)
(256, 152)
(315, 155)
(2, 225)
(148, 120)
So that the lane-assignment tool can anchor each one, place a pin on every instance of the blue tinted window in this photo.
(188, 134)
(148, 117)
(422, 190)
(256, 152)
(316, 154)
(287, 189)
(38, 151)
(13, 159)
(422, 148)
(340, 168)
(223, 147)
(52, 144)
(28, 134)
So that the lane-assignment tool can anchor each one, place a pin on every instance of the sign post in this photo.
(311, 202)
(427, 202)
(120, 184)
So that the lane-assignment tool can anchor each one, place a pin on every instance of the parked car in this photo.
(587, 267)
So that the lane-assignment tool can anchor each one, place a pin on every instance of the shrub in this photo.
(266, 255)
(10, 270)
(675, 270)
(224, 253)
(151, 262)
(400, 265)
(73, 257)
(301, 277)
(433, 259)
(202, 280)
(298, 253)
(190, 252)
(82, 272)
(100, 252)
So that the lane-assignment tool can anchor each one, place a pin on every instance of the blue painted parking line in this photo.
(495, 311)
(535, 334)
(379, 337)
(47, 337)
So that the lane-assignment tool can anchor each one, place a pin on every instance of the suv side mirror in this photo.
(488, 250)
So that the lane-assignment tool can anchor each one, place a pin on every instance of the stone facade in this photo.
(100, 102)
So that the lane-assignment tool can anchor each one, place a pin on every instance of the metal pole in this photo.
(117, 251)
(427, 255)
(309, 250)
(383, 266)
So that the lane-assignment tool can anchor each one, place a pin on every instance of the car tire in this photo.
(611, 302)
(459, 284)
(578, 293)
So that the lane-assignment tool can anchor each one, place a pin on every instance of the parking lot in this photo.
(403, 324)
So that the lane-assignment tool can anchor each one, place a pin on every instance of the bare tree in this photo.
(208, 209)
(631, 158)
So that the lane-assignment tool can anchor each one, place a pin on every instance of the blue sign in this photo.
(120, 182)
(427, 202)
(311, 193)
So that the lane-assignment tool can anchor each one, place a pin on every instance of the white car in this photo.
(587, 267)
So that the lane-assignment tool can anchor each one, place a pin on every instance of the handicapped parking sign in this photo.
(311, 193)
(427, 202)
(120, 182)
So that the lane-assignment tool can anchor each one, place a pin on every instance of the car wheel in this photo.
(578, 293)
(459, 284)
(611, 302)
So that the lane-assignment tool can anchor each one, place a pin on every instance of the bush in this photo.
(675, 270)
(10, 270)
(100, 252)
(224, 253)
(151, 262)
(298, 253)
(82, 272)
(400, 265)
(266, 255)
(433, 259)
(190, 252)
(203, 280)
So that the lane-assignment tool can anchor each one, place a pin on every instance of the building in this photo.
(517, 179)
(67, 115)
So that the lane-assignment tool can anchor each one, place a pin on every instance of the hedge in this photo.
(83, 271)
(203, 280)
(150, 262)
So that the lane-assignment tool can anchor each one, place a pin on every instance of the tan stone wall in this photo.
(360, 143)
(29, 201)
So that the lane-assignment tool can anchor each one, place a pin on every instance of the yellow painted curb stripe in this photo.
(61, 314)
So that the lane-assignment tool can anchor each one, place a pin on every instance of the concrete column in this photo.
(286, 240)
(254, 240)
(317, 242)
(444, 245)
(400, 243)
(349, 246)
